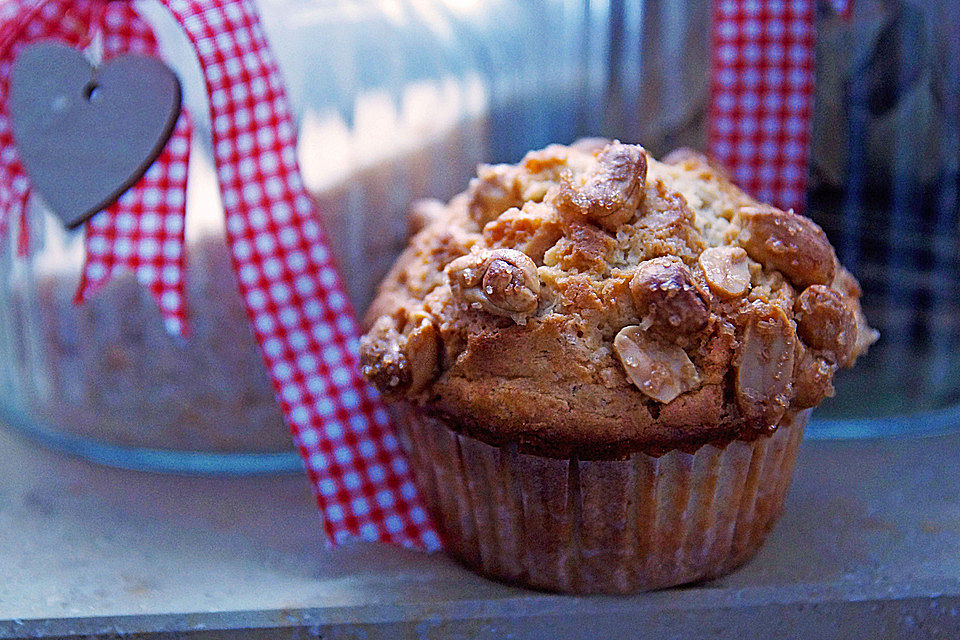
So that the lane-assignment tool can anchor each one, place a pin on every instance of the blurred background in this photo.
(399, 100)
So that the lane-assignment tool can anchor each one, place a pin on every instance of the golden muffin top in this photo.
(593, 300)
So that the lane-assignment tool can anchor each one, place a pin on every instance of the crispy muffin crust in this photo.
(593, 301)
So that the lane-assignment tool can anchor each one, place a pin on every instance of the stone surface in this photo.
(869, 546)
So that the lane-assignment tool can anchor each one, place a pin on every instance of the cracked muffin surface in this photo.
(593, 301)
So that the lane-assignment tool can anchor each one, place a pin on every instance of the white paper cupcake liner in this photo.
(592, 526)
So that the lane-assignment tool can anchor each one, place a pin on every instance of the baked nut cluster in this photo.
(503, 282)
(591, 294)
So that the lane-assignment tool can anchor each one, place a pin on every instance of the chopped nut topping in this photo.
(812, 380)
(504, 282)
(612, 190)
(492, 192)
(582, 248)
(850, 291)
(382, 361)
(846, 285)
(423, 351)
(726, 270)
(693, 158)
(552, 285)
(396, 363)
(665, 296)
(422, 213)
(825, 323)
(660, 370)
(765, 365)
(790, 243)
(591, 145)
(531, 230)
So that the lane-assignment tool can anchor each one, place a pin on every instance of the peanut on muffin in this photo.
(592, 300)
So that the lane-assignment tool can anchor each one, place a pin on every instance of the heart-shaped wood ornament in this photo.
(86, 135)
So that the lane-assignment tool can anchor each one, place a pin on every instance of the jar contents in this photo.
(108, 370)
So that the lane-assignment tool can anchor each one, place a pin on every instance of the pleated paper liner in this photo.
(619, 526)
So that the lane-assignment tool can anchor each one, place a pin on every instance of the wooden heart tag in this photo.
(85, 135)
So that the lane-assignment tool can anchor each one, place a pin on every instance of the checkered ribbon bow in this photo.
(302, 320)
(143, 231)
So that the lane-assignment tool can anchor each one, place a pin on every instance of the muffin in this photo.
(602, 365)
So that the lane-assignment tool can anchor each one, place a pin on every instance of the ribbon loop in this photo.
(294, 297)
(143, 231)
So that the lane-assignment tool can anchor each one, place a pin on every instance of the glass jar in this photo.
(885, 179)
(391, 106)
(105, 379)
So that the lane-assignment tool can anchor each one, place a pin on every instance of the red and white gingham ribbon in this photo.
(761, 95)
(143, 231)
(301, 316)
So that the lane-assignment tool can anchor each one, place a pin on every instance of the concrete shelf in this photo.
(869, 546)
